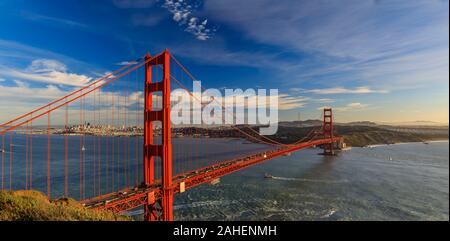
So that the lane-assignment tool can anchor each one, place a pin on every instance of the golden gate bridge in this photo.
(88, 144)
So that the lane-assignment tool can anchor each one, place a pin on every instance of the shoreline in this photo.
(431, 140)
(403, 143)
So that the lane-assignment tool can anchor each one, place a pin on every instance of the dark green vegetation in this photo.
(356, 134)
(35, 206)
(371, 135)
(361, 135)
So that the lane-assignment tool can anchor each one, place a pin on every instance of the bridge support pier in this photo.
(158, 208)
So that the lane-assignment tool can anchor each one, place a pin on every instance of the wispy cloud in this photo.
(183, 14)
(356, 29)
(380, 43)
(288, 102)
(285, 101)
(24, 62)
(52, 20)
(217, 54)
(340, 90)
(21, 89)
(324, 100)
(46, 71)
(20, 98)
(147, 19)
(13, 53)
(126, 63)
(349, 107)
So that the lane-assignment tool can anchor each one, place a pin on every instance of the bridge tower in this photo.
(159, 205)
(328, 131)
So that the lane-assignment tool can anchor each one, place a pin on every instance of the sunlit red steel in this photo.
(200, 176)
(328, 131)
(155, 194)
(151, 150)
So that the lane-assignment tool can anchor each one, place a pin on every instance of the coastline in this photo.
(353, 137)
(403, 143)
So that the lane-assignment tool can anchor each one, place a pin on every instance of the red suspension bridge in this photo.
(110, 145)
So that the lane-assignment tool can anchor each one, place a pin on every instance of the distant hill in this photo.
(414, 123)
(364, 133)
(360, 123)
(307, 123)
(304, 123)
(371, 135)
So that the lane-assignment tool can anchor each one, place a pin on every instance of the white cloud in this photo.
(324, 100)
(46, 71)
(14, 55)
(340, 90)
(21, 98)
(285, 101)
(21, 84)
(46, 65)
(126, 62)
(288, 102)
(22, 92)
(356, 29)
(183, 14)
(349, 107)
(390, 45)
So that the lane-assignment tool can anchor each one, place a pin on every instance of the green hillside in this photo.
(35, 206)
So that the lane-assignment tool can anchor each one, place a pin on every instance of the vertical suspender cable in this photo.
(94, 140)
(111, 131)
(3, 161)
(48, 156)
(66, 153)
(26, 157)
(31, 154)
(10, 160)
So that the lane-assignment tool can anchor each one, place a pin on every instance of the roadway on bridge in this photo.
(131, 198)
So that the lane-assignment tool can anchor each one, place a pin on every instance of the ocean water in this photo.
(394, 182)
(120, 160)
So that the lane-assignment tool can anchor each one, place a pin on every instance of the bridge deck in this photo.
(134, 197)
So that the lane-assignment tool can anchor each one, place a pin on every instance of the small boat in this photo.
(426, 143)
(215, 181)
(268, 176)
(390, 159)
(83, 149)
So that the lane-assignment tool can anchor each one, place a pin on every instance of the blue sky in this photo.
(386, 61)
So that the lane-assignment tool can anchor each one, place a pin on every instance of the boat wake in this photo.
(308, 180)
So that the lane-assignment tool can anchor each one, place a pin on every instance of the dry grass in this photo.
(34, 206)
